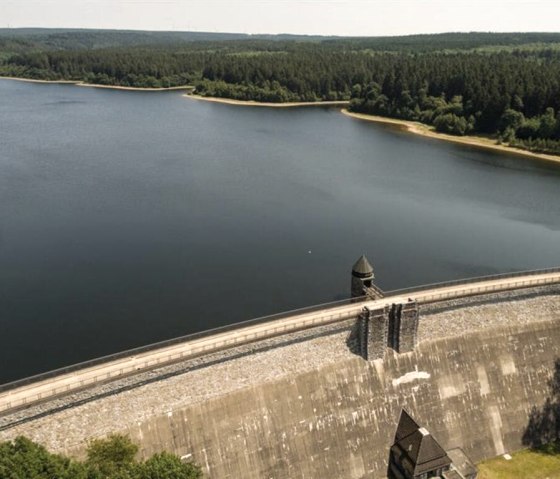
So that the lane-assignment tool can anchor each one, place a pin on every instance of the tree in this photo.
(25, 459)
(452, 124)
(547, 127)
(168, 466)
(511, 119)
(112, 457)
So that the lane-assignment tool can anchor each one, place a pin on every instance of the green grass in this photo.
(542, 463)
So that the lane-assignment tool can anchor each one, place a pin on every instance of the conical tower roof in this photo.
(362, 266)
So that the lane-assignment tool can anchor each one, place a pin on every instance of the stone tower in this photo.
(392, 326)
(362, 277)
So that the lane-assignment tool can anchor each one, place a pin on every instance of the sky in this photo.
(323, 17)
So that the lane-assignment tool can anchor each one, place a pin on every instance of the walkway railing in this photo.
(14, 396)
(476, 279)
(479, 290)
(181, 339)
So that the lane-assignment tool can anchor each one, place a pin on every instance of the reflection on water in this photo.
(131, 217)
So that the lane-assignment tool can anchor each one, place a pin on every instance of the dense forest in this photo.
(111, 458)
(506, 85)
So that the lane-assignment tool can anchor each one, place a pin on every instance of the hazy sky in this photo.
(332, 17)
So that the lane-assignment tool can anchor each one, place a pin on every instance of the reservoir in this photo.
(127, 218)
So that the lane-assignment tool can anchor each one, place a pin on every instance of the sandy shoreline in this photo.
(410, 126)
(476, 141)
(132, 88)
(93, 85)
(229, 101)
(31, 80)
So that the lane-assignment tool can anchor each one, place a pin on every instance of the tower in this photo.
(362, 277)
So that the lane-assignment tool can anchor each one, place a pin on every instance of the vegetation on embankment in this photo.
(538, 463)
(506, 85)
(111, 458)
(477, 141)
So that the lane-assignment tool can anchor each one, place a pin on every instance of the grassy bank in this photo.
(526, 464)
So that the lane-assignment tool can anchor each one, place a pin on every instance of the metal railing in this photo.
(465, 292)
(170, 342)
(217, 339)
(190, 349)
(476, 279)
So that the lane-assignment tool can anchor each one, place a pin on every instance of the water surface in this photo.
(132, 217)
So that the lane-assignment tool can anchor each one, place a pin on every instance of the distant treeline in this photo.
(502, 84)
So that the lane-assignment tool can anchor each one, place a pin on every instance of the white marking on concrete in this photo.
(508, 365)
(451, 386)
(409, 377)
(482, 379)
(496, 429)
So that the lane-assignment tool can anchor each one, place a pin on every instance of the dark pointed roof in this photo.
(406, 426)
(423, 452)
(362, 266)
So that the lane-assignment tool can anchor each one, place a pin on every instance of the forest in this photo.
(506, 85)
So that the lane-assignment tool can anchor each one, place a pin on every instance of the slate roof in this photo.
(406, 426)
(422, 451)
(362, 266)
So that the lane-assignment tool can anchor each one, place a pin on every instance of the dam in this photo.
(294, 397)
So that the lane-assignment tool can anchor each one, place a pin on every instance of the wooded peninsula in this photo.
(504, 85)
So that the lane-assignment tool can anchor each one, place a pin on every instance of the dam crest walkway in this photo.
(43, 387)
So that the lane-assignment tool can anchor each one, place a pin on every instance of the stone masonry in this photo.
(394, 327)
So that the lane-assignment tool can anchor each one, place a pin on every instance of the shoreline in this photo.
(414, 127)
(33, 80)
(229, 101)
(93, 85)
(475, 141)
(134, 88)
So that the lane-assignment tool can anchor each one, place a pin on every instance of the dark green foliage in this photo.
(24, 459)
(550, 448)
(452, 124)
(168, 466)
(506, 85)
(111, 458)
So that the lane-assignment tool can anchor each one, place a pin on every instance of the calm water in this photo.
(128, 218)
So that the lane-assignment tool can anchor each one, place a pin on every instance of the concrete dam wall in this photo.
(311, 408)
